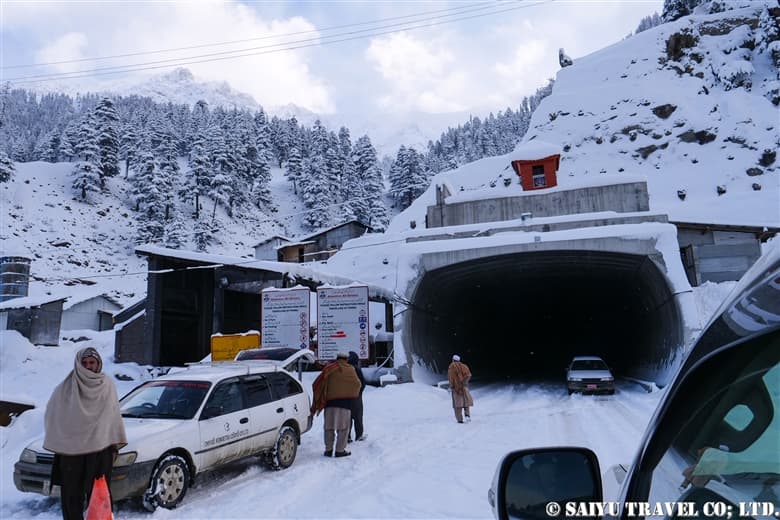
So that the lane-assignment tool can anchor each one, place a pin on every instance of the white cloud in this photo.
(69, 46)
(110, 29)
(417, 75)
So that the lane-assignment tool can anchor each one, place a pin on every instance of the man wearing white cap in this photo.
(459, 375)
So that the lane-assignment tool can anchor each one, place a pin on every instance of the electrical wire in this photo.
(233, 42)
(38, 78)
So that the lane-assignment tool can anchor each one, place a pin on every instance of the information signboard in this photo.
(342, 321)
(285, 317)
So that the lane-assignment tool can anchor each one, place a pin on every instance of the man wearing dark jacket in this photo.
(357, 404)
(334, 390)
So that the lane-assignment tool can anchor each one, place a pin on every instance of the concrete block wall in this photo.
(622, 198)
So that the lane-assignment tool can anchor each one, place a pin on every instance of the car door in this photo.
(225, 425)
(262, 409)
(291, 401)
(717, 443)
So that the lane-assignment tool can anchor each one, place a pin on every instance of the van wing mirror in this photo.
(527, 481)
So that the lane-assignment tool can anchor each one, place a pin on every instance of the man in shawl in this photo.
(84, 429)
(334, 390)
(459, 375)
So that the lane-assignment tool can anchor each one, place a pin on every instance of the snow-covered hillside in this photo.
(665, 105)
(70, 239)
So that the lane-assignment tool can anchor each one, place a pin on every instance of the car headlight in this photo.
(125, 459)
(606, 379)
(28, 456)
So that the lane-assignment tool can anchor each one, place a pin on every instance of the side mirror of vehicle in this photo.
(526, 482)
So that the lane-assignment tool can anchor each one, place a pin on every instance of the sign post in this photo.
(285, 317)
(342, 321)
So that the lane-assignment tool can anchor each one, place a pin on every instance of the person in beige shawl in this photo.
(459, 375)
(84, 429)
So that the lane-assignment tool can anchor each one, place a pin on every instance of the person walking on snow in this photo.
(84, 430)
(459, 375)
(334, 390)
(357, 404)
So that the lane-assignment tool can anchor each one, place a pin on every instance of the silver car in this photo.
(589, 374)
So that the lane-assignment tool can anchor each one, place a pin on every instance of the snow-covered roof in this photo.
(293, 244)
(297, 271)
(331, 228)
(26, 302)
(81, 297)
(534, 149)
(268, 239)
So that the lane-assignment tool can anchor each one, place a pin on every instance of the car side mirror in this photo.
(528, 481)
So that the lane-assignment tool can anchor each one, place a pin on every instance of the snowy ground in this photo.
(416, 463)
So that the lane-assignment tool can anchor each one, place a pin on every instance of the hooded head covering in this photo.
(82, 415)
(455, 357)
(91, 352)
(353, 358)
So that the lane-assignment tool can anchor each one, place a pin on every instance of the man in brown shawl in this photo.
(459, 375)
(84, 429)
(334, 390)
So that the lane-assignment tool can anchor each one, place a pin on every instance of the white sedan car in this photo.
(589, 374)
(191, 421)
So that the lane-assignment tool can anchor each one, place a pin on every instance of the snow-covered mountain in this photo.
(690, 106)
(179, 86)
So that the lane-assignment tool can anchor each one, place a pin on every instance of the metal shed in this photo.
(34, 317)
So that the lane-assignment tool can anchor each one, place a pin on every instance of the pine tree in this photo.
(86, 174)
(107, 135)
(202, 234)
(196, 180)
(294, 167)
(174, 233)
(148, 199)
(315, 194)
(369, 207)
(7, 168)
(128, 145)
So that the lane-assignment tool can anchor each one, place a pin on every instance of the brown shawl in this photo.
(338, 380)
(82, 415)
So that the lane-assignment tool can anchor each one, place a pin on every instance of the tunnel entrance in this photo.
(525, 315)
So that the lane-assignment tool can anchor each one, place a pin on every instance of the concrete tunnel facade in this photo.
(524, 310)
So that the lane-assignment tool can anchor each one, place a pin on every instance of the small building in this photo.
(191, 296)
(93, 312)
(267, 248)
(713, 252)
(34, 317)
(537, 164)
(322, 244)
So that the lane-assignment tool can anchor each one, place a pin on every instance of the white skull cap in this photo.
(455, 357)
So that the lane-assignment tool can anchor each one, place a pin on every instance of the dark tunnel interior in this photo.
(525, 315)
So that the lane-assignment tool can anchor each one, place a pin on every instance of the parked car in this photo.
(589, 374)
(278, 354)
(198, 419)
(712, 446)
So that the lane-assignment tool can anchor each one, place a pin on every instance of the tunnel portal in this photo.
(525, 315)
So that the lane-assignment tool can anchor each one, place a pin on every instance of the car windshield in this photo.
(274, 354)
(165, 400)
(588, 364)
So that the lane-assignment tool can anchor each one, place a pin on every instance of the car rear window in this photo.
(277, 354)
(588, 364)
(283, 385)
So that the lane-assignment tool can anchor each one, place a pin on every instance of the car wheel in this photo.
(169, 483)
(285, 449)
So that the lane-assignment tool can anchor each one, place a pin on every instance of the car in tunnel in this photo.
(711, 448)
(589, 374)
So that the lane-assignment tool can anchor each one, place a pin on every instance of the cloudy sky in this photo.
(414, 56)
